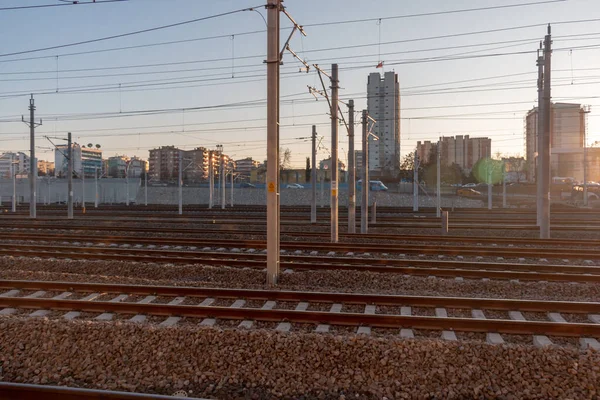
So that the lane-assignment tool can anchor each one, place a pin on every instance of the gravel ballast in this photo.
(261, 364)
(334, 281)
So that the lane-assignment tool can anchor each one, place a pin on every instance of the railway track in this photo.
(448, 269)
(302, 216)
(20, 391)
(361, 312)
(382, 237)
(556, 210)
(388, 248)
(410, 223)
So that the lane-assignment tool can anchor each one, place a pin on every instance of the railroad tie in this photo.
(589, 343)
(10, 293)
(592, 343)
(247, 323)
(286, 326)
(490, 337)
(324, 328)
(538, 340)
(173, 320)
(141, 317)
(110, 316)
(43, 313)
(366, 330)
(446, 335)
(207, 321)
(74, 314)
(405, 332)
(556, 317)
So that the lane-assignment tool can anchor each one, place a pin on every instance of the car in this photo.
(375, 186)
(294, 186)
(468, 192)
(469, 185)
(247, 185)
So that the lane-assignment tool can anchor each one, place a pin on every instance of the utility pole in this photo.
(180, 180)
(231, 190)
(545, 221)
(364, 207)
(439, 182)
(503, 184)
(222, 180)
(96, 186)
(32, 160)
(83, 189)
(334, 153)
(322, 195)
(210, 179)
(313, 177)
(14, 179)
(351, 171)
(540, 135)
(145, 186)
(489, 179)
(585, 167)
(127, 165)
(70, 177)
(416, 183)
(273, 59)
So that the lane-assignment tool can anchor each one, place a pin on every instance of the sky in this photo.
(108, 92)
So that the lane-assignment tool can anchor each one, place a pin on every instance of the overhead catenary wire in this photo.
(72, 3)
(121, 35)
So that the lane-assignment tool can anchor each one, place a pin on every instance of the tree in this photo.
(487, 168)
(308, 170)
(407, 166)
(285, 158)
(516, 166)
(453, 174)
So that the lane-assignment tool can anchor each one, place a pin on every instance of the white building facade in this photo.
(85, 159)
(383, 104)
(21, 166)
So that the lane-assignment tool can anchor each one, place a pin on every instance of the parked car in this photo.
(469, 185)
(294, 186)
(247, 185)
(468, 192)
(375, 186)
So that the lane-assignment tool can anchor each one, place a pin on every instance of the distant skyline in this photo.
(486, 92)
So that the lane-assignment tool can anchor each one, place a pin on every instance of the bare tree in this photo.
(285, 158)
(516, 165)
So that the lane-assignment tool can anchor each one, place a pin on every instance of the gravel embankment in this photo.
(337, 281)
(261, 364)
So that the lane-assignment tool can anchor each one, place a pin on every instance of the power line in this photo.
(157, 28)
(262, 31)
(434, 13)
(60, 4)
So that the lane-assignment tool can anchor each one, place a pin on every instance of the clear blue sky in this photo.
(425, 115)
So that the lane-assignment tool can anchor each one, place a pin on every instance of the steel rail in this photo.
(413, 224)
(434, 249)
(408, 210)
(21, 391)
(201, 256)
(318, 297)
(389, 217)
(175, 257)
(314, 317)
(379, 236)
